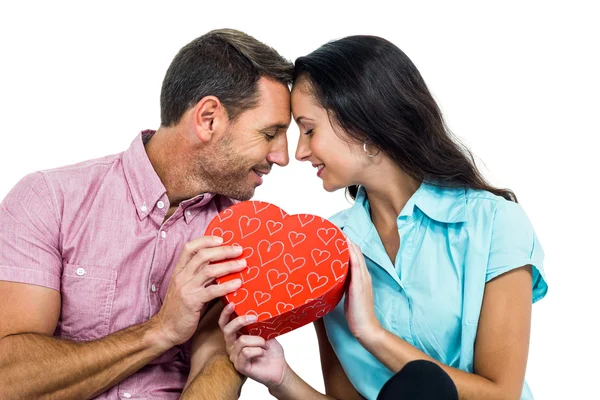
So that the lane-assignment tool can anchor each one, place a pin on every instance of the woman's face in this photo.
(338, 160)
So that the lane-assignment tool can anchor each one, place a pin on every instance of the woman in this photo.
(450, 265)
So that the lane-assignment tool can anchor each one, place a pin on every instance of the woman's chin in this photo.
(330, 188)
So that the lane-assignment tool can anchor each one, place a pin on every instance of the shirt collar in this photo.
(443, 204)
(144, 184)
(192, 207)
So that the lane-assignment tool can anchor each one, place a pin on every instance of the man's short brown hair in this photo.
(225, 63)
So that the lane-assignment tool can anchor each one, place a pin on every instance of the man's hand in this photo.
(193, 286)
(34, 365)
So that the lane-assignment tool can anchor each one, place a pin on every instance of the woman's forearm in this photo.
(395, 353)
(293, 387)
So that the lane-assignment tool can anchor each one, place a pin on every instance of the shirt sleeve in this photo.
(29, 235)
(515, 244)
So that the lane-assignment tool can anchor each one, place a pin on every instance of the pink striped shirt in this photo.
(95, 232)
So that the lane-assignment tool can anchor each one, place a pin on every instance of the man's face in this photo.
(254, 141)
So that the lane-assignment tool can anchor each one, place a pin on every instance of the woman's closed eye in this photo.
(309, 132)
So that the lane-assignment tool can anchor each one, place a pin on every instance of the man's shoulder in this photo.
(77, 177)
(83, 169)
(81, 180)
(74, 177)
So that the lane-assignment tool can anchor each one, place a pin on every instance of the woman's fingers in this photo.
(230, 329)
(248, 341)
(242, 361)
(225, 316)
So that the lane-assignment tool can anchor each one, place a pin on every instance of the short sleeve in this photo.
(515, 244)
(29, 235)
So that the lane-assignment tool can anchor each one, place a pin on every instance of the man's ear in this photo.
(209, 118)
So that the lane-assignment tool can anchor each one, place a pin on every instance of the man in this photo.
(106, 279)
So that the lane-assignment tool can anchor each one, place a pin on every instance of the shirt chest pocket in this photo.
(88, 294)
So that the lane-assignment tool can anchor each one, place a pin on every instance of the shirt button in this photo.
(163, 234)
(160, 204)
(80, 271)
(153, 288)
(144, 208)
(126, 395)
(188, 213)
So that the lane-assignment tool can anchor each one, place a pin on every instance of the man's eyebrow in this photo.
(275, 126)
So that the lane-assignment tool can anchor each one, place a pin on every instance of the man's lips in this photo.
(260, 172)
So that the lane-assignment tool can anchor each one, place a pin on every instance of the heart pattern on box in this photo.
(297, 265)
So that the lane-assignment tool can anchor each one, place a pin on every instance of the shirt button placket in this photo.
(157, 267)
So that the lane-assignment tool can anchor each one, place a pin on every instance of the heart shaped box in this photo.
(297, 265)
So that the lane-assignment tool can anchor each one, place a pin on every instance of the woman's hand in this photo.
(257, 358)
(359, 304)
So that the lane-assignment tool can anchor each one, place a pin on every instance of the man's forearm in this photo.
(218, 380)
(33, 365)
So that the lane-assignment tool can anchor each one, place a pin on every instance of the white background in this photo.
(518, 82)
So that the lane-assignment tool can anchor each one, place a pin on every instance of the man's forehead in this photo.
(272, 110)
(274, 92)
(274, 106)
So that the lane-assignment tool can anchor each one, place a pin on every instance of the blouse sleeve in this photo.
(514, 244)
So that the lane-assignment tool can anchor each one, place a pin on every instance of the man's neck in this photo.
(168, 151)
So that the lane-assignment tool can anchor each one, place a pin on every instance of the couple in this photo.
(106, 283)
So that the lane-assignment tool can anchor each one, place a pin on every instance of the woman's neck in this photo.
(388, 193)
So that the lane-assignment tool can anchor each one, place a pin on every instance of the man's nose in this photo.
(279, 153)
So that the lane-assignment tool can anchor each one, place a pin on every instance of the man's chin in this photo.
(244, 197)
(241, 195)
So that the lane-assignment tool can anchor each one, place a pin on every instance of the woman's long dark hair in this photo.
(374, 92)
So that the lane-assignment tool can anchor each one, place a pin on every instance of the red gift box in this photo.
(297, 265)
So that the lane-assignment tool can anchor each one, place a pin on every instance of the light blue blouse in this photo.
(452, 241)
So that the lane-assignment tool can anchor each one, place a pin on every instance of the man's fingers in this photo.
(215, 254)
(211, 255)
(191, 248)
(211, 292)
(212, 271)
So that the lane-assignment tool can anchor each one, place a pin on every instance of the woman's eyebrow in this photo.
(302, 118)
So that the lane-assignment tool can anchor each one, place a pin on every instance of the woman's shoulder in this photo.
(339, 218)
(481, 203)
